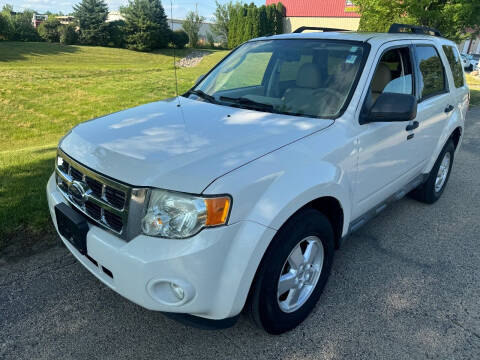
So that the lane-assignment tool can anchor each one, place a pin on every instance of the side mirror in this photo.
(391, 107)
(200, 78)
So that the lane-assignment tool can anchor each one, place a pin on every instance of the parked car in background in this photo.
(465, 62)
(237, 193)
(474, 60)
(470, 61)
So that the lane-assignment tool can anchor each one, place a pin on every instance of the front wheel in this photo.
(293, 272)
(433, 188)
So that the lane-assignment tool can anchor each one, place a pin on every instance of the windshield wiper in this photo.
(249, 103)
(201, 94)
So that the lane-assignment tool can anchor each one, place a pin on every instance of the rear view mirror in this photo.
(391, 107)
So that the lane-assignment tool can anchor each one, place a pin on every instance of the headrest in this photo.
(308, 76)
(382, 77)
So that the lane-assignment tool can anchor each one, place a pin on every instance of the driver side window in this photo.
(393, 74)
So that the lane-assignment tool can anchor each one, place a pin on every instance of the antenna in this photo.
(174, 57)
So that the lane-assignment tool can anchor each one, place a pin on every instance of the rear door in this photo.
(435, 102)
(459, 89)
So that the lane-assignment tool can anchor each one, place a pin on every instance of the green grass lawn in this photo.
(46, 89)
(474, 84)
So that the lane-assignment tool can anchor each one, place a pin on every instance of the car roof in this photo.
(377, 38)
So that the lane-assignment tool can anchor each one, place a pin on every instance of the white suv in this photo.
(237, 193)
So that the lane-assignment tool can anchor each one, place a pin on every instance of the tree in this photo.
(116, 33)
(145, 25)
(221, 20)
(5, 27)
(191, 25)
(22, 28)
(91, 16)
(49, 30)
(249, 21)
(451, 17)
(263, 28)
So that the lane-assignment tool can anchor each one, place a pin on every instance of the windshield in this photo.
(302, 77)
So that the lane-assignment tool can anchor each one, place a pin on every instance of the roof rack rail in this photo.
(423, 30)
(324, 29)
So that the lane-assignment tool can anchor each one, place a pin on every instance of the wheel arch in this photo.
(453, 132)
(456, 136)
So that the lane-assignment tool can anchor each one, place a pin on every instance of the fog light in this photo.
(171, 292)
(178, 291)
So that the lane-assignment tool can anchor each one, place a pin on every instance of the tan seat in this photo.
(382, 77)
(300, 98)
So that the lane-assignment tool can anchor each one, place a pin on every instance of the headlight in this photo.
(177, 215)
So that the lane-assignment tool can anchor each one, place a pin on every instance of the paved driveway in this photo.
(406, 286)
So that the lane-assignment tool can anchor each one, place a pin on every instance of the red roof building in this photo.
(338, 14)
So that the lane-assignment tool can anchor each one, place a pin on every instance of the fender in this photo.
(270, 195)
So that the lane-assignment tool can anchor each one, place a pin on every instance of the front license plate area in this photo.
(72, 226)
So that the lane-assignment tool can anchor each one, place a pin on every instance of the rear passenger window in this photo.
(455, 65)
(432, 74)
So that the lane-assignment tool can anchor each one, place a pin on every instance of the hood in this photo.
(181, 148)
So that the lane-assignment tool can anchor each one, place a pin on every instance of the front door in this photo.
(386, 159)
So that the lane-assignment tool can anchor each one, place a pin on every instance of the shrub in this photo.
(211, 40)
(179, 39)
(49, 30)
(68, 35)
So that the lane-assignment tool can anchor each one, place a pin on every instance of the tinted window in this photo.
(313, 78)
(432, 75)
(241, 75)
(393, 74)
(455, 64)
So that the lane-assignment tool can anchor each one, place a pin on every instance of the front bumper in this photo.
(215, 268)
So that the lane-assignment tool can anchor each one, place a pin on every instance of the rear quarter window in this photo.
(455, 65)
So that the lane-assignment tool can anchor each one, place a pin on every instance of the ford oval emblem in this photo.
(78, 191)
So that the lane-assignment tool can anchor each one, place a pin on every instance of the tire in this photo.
(470, 68)
(430, 191)
(308, 229)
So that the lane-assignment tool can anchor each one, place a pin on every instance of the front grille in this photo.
(115, 197)
(95, 186)
(93, 210)
(114, 221)
(104, 200)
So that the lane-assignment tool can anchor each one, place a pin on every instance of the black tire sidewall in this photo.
(308, 222)
(431, 194)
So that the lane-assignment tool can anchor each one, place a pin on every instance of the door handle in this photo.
(412, 126)
(449, 108)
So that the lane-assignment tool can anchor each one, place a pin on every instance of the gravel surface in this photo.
(192, 59)
(406, 286)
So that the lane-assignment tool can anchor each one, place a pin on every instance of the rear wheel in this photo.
(433, 188)
(293, 272)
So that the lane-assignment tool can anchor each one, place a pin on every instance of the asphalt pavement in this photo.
(405, 286)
